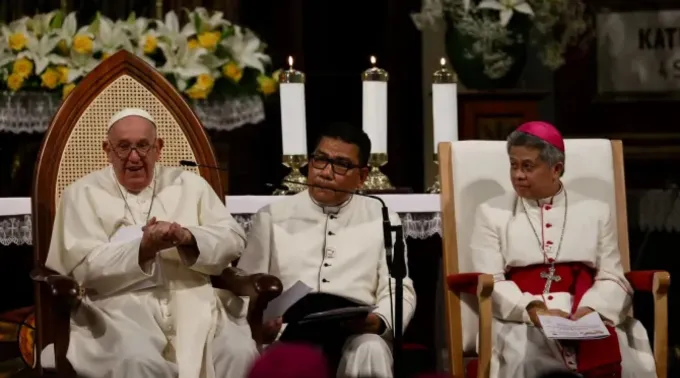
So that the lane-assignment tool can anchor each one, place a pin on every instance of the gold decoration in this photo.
(377, 180)
(295, 180)
(374, 73)
(436, 186)
(291, 75)
(443, 75)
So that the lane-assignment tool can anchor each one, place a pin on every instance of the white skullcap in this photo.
(130, 112)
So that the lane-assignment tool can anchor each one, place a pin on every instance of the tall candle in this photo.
(444, 106)
(293, 116)
(375, 107)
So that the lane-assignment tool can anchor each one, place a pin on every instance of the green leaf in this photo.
(58, 20)
(132, 17)
(94, 26)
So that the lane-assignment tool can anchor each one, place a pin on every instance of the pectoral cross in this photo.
(550, 276)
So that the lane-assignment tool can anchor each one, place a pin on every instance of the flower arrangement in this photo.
(207, 56)
(555, 25)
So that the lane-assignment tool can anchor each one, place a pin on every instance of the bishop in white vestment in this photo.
(333, 242)
(553, 251)
(142, 240)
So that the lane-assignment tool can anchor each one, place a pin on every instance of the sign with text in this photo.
(638, 52)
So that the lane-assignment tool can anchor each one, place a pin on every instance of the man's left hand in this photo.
(370, 324)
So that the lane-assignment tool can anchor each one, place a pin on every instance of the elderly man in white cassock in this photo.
(142, 239)
(553, 251)
(333, 242)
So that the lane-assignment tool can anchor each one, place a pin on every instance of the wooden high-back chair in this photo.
(473, 172)
(72, 148)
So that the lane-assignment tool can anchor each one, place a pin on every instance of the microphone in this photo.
(190, 163)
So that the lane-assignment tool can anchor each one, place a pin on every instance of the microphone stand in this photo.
(396, 265)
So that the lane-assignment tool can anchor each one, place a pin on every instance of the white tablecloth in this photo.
(419, 213)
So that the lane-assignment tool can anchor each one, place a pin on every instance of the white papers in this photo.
(277, 307)
(340, 312)
(588, 327)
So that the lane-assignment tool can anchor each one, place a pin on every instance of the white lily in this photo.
(16, 27)
(69, 29)
(136, 27)
(246, 49)
(110, 37)
(6, 56)
(507, 8)
(80, 65)
(42, 52)
(204, 22)
(183, 63)
(40, 23)
(171, 31)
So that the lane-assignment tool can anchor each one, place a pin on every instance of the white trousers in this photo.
(366, 355)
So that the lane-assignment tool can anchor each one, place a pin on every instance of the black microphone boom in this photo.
(190, 163)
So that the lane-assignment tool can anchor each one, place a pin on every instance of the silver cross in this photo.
(550, 276)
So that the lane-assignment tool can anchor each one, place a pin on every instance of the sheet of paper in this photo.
(588, 327)
(277, 307)
(340, 311)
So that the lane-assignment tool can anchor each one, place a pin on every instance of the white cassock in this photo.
(504, 243)
(334, 250)
(167, 321)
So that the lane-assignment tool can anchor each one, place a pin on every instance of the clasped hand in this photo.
(160, 235)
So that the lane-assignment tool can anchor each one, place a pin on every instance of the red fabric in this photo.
(595, 358)
(471, 368)
(290, 361)
(545, 131)
(642, 280)
(463, 282)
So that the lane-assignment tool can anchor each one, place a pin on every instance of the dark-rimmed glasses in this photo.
(124, 149)
(339, 166)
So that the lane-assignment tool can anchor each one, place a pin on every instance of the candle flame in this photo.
(442, 61)
(373, 60)
(290, 61)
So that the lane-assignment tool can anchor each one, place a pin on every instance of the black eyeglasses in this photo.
(124, 149)
(340, 167)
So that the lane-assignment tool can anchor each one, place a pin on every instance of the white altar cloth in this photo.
(419, 213)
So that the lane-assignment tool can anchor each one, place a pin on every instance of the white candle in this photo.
(444, 108)
(293, 116)
(375, 108)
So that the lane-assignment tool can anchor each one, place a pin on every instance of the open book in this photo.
(588, 327)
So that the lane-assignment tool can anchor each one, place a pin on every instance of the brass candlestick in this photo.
(376, 179)
(436, 186)
(293, 182)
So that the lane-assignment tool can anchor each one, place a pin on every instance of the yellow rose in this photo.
(15, 81)
(22, 67)
(204, 81)
(198, 93)
(50, 78)
(208, 40)
(63, 74)
(82, 44)
(267, 84)
(232, 71)
(276, 75)
(193, 43)
(150, 44)
(17, 41)
(66, 90)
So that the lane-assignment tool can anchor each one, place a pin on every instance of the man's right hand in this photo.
(539, 308)
(271, 329)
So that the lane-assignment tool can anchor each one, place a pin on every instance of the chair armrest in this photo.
(63, 288)
(260, 288)
(479, 284)
(656, 282)
(650, 281)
